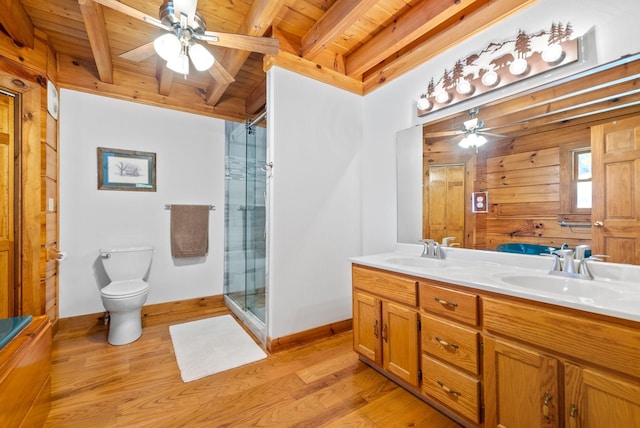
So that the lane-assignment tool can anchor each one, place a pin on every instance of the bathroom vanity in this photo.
(25, 381)
(492, 340)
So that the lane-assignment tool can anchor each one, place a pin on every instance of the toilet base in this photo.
(124, 327)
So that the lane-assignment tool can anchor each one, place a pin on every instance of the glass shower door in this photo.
(245, 221)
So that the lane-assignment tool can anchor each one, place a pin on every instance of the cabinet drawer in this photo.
(594, 341)
(455, 344)
(402, 289)
(455, 389)
(454, 304)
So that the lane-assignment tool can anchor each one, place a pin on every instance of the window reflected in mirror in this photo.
(582, 179)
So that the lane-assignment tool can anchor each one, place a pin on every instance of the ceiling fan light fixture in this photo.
(179, 64)
(472, 140)
(168, 46)
(201, 57)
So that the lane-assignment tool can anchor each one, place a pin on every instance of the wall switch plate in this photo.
(51, 205)
(480, 202)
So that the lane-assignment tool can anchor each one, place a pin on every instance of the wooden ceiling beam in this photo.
(93, 17)
(164, 77)
(342, 15)
(257, 99)
(476, 22)
(16, 22)
(257, 23)
(419, 20)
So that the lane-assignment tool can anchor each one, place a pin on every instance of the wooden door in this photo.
(615, 150)
(521, 387)
(446, 202)
(367, 326)
(400, 341)
(598, 400)
(7, 278)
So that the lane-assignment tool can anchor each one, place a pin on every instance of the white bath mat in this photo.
(212, 345)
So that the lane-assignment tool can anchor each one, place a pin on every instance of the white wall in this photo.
(315, 134)
(190, 170)
(393, 107)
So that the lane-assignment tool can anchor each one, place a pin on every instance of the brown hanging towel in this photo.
(189, 231)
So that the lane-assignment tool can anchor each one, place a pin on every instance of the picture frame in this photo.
(126, 170)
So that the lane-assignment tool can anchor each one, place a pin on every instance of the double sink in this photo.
(508, 278)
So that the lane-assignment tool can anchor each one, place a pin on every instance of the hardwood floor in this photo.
(137, 385)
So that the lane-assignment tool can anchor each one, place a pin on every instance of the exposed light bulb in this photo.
(464, 87)
(168, 46)
(490, 78)
(424, 104)
(201, 57)
(443, 97)
(519, 67)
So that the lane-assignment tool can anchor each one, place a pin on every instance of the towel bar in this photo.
(168, 207)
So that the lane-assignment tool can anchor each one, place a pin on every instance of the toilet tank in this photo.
(122, 264)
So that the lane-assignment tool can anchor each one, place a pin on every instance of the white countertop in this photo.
(614, 291)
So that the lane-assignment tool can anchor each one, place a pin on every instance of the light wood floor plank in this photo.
(138, 385)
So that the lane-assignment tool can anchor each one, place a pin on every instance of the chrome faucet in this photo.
(564, 262)
(431, 249)
(447, 242)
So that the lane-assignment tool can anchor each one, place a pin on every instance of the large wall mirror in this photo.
(563, 166)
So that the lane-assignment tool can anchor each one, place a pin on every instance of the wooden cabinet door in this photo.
(615, 150)
(598, 400)
(521, 387)
(367, 326)
(400, 341)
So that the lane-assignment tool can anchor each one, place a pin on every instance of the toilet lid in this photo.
(125, 288)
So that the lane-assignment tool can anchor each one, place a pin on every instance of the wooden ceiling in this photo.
(356, 45)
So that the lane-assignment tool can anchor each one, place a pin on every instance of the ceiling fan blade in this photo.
(188, 7)
(490, 133)
(140, 53)
(134, 13)
(442, 134)
(265, 45)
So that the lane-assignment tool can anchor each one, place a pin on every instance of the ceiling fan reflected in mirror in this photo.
(186, 28)
(472, 129)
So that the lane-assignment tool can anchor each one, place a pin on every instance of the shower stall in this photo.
(245, 275)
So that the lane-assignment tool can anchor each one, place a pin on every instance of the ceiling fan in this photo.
(186, 28)
(472, 129)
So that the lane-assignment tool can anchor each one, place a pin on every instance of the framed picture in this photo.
(126, 170)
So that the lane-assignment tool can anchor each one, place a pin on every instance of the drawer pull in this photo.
(545, 407)
(446, 344)
(573, 416)
(449, 390)
(445, 303)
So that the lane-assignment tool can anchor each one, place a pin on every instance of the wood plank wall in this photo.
(523, 181)
(39, 292)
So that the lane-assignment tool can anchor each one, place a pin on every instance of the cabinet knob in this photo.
(598, 223)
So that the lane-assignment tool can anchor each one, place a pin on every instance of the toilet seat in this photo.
(128, 288)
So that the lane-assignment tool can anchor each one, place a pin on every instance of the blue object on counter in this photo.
(523, 248)
(529, 249)
(10, 327)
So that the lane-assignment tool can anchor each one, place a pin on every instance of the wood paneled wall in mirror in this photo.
(529, 170)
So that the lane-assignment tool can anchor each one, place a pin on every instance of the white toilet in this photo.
(127, 292)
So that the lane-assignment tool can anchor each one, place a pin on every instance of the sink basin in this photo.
(559, 285)
(416, 262)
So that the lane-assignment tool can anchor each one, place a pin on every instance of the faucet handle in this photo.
(597, 257)
(446, 242)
